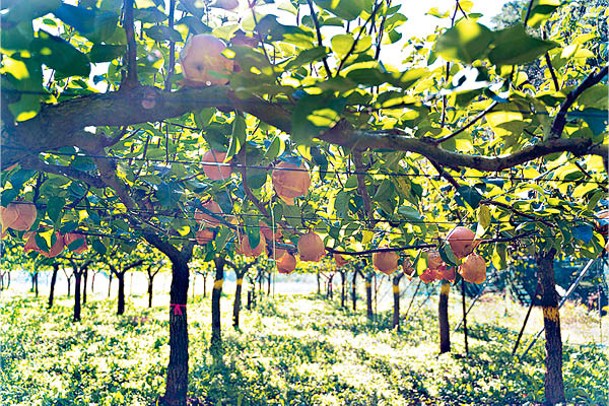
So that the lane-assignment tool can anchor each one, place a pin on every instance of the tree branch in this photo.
(319, 39)
(40, 166)
(361, 186)
(561, 118)
(469, 124)
(128, 25)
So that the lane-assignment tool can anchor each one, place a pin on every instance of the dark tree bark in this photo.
(216, 325)
(240, 274)
(69, 281)
(84, 286)
(343, 287)
(34, 281)
(369, 310)
(396, 301)
(53, 282)
(109, 284)
(93, 282)
(151, 275)
(330, 289)
(120, 275)
(204, 285)
(268, 285)
(77, 284)
(554, 386)
(318, 283)
(443, 317)
(354, 289)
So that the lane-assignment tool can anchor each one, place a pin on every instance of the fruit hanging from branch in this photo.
(386, 261)
(310, 247)
(32, 245)
(203, 63)
(244, 247)
(267, 231)
(18, 216)
(446, 273)
(286, 264)
(407, 267)
(214, 166)
(290, 181)
(461, 240)
(206, 219)
(473, 269)
(434, 260)
(204, 236)
(429, 275)
(340, 260)
(76, 242)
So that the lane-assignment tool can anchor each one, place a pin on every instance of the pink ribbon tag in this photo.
(177, 308)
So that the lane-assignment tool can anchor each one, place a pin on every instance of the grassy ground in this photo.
(291, 350)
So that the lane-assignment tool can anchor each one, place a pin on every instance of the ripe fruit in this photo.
(278, 253)
(434, 260)
(226, 4)
(311, 247)
(211, 168)
(203, 63)
(204, 236)
(290, 181)
(340, 260)
(76, 240)
(407, 267)
(461, 241)
(286, 264)
(446, 272)
(429, 275)
(55, 250)
(18, 216)
(268, 232)
(206, 219)
(473, 269)
(385, 261)
(245, 248)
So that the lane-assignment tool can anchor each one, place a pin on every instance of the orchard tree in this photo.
(105, 131)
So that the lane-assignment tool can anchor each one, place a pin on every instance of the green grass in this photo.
(293, 350)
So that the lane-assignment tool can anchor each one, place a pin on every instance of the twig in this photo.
(70, 172)
(468, 125)
(561, 118)
(319, 39)
(528, 14)
(361, 186)
(516, 211)
(172, 47)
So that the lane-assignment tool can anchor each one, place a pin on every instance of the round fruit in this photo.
(429, 275)
(226, 4)
(473, 269)
(434, 260)
(55, 250)
(245, 248)
(204, 236)
(203, 63)
(385, 261)
(77, 240)
(340, 260)
(18, 216)
(286, 264)
(278, 253)
(290, 181)
(268, 232)
(461, 240)
(311, 248)
(205, 218)
(213, 166)
(446, 273)
(407, 267)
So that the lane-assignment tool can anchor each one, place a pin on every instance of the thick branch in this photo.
(40, 166)
(561, 118)
(131, 79)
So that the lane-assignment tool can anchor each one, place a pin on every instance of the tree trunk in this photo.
(93, 282)
(354, 290)
(53, 282)
(84, 286)
(121, 293)
(268, 286)
(443, 317)
(176, 386)
(318, 283)
(204, 285)
(150, 289)
(77, 280)
(237, 302)
(396, 301)
(554, 386)
(36, 291)
(330, 291)
(369, 311)
(69, 280)
(109, 284)
(343, 288)
(216, 326)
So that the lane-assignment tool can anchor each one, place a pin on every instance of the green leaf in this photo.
(106, 53)
(347, 9)
(410, 213)
(313, 115)
(513, 46)
(252, 229)
(23, 10)
(26, 108)
(307, 56)
(469, 195)
(55, 207)
(99, 247)
(61, 55)
(168, 194)
(484, 220)
(161, 33)
(448, 255)
(341, 204)
(97, 25)
(583, 233)
(342, 43)
(541, 11)
(239, 136)
(42, 242)
(467, 42)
